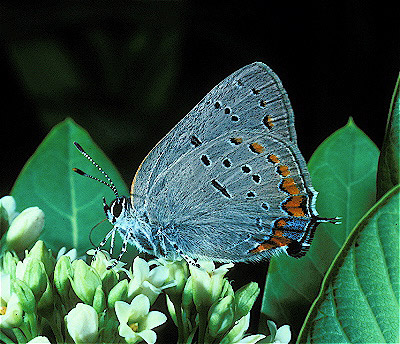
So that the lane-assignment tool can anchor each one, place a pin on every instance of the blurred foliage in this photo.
(111, 68)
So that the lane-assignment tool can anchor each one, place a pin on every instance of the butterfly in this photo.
(228, 183)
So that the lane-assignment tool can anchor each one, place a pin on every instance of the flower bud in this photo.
(109, 279)
(40, 252)
(83, 324)
(237, 331)
(4, 222)
(171, 309)
(10, 261)
(7, 211)
(10, 312)
(25, 295)
(227, 289)
(85, 281)
(118, 293)
(62, 274)
(187, 295)
(33, 273)
(245, 298)
(25, 229)
(99, 300)
(221, 316)
(47, 297)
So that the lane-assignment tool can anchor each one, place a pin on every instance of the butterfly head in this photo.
(118, 210)
(120, 206)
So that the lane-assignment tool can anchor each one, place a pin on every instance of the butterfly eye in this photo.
(116, 208)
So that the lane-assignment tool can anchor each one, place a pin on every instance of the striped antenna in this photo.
(110, 183)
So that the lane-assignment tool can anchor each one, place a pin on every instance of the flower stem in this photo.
(181, 326)
(5, 339)
(32, 320)
(202, 326)
(19, 335)
(52, 321)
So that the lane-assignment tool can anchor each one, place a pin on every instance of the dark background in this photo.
(129, 73)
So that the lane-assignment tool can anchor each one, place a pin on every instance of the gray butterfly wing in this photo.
(218, 182)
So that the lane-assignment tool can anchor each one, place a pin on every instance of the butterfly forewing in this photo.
(227, 171)
(254, 91)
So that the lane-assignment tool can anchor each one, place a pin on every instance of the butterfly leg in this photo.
(112, 242)
(123, 250)
(104, 241)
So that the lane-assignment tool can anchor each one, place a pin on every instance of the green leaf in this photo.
(389, 161)
(72, 204)
(343, 170)
(359, 298)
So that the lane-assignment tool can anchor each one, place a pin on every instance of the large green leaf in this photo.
(359, 299)
(343, 170)
(72, 204)
(389, 160)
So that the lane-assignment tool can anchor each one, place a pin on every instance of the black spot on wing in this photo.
(220, 188)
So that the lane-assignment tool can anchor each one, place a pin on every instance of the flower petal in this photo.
(149, 336)
(125, 331)
(123, 311)
(5, 287)
(39, 340)
(140, 307)
(283, 335)
(140, 268)
(154, 319)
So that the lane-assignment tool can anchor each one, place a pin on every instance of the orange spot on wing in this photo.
(268, 122)
(280, 241)
(280, 223)
(256, 148)
(273, 158)
(283, 170)
(296, 206)
(236, 140)
(288, 185)
(262, 247)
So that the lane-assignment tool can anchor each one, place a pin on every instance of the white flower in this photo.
(25, 229)
(8, 203)
(39, 340)
(146, 281)
(178, 274)
(10, 307)
(207, 283)
(136, 322)
(281, 335)
(72, 254)
(83, 324)
(101, 262)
